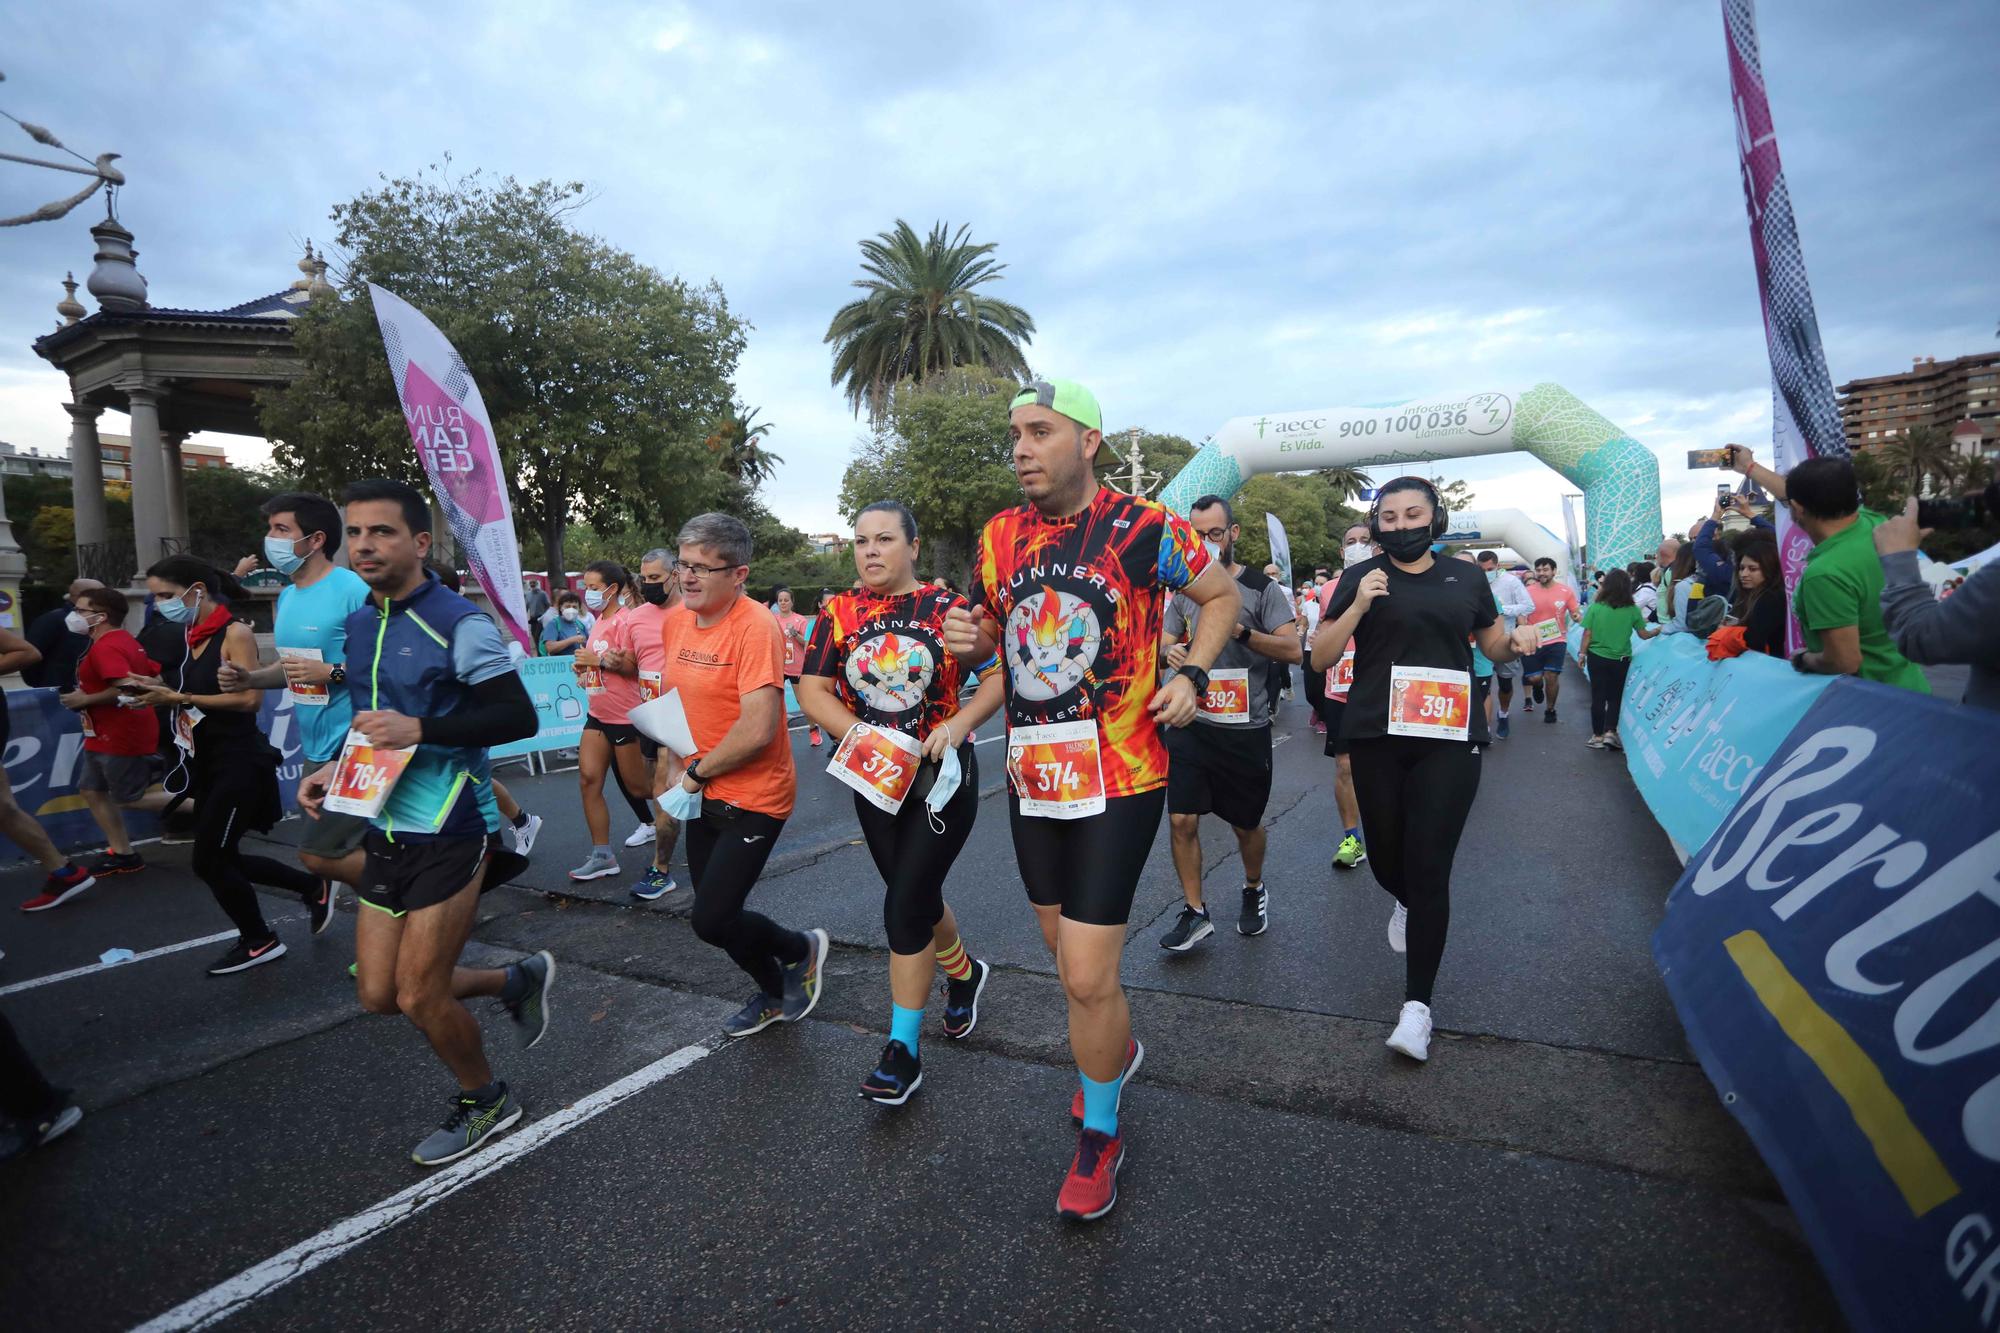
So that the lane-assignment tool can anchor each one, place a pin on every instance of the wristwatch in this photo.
(1799, 660)
(693, 770)
(338, 676)
(1195, 674)
(1242, 631)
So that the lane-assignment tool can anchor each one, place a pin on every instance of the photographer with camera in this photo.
(1963, 628)
(1838, 597)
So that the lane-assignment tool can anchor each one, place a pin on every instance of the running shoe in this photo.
(802, 980)
(759, 1013)
(531, 1012)
(117, 863)
(1189, 929)
(1549, 716)
(61, 886)
(23, 1136)
(525, 834)
(1594, 743)
(961, 1001)
(176, 830)
(243, 956)
(1398, 922)
(1412, 1036)
(1134, 1053)
(1611, 741)
(816, 736)
(319, 905)
(1256, 917)
(653, 883)
(595, 866)
(470, 1124)
(641, 835)
(898, 1074)
(1092, 1186)
(1500, 728)
(1349, 854)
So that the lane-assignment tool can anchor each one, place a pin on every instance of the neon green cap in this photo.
(1065, 396)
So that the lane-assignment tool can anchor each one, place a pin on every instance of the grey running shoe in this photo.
(470, 1124)
(596, 866)
(531, 1011)
(802, 980)
(1191, 929)
(757, 1014)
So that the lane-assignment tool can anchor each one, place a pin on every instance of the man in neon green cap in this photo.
(1069, 590)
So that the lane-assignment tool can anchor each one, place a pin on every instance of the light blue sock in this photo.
(600, 849)
(1100, 1104)
(904, 1024)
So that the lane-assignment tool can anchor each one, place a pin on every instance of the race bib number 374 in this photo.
(1057, 770)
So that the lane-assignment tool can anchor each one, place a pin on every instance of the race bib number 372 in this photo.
(1057, 770)
(1424, 701)
(878, 763)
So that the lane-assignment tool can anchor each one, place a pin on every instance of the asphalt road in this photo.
(1560, 1163)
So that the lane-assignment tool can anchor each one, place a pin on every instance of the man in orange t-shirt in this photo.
(725, 655)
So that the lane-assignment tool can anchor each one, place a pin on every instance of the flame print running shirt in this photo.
(1079, 601)
(884, 653)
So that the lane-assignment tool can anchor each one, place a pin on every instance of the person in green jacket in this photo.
(1608, 626)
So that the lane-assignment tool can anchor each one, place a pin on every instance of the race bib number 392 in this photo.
(1228, 696)
(1424, 701)
(1057, 770)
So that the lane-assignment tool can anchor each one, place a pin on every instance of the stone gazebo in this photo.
(173, 372)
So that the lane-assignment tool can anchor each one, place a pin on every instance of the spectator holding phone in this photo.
(1838, 597)
(1963, 628)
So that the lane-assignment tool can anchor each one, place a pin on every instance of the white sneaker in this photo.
(1412, 1036)
(1397, 920)
(642, 835)
(525, 835)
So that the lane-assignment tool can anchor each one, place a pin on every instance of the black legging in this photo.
(914, 858)
(1315, 685)
(726, 850)
(1607, 691)
(1415, 794)
(221, 818)
(641, 805)
(24, 1093)
(1276, 677)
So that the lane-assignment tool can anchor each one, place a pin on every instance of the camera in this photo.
(1964, 511)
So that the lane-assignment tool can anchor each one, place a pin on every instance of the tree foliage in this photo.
(923, 313)
(604, 377)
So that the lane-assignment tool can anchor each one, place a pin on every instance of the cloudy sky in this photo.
(1209, 210)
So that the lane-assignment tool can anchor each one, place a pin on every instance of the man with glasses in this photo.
(725, 654)
(1222, 764)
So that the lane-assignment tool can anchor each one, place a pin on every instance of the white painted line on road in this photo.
(160, 952)
(233, 1296)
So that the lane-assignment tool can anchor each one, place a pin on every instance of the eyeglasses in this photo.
(1212, 534)
(684, 567)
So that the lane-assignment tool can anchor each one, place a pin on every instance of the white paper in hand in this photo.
(664, 722)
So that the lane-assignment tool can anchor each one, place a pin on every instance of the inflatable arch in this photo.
(1619, 477)
(1511, 528)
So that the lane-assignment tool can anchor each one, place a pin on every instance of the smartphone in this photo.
(1699, 458)
(1724, 492)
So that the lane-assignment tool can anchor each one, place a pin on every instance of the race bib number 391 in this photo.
(1424, 701)
(1057, 770)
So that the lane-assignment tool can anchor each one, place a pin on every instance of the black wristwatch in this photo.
(338, 676)
(1196, 674)
(1799, 661)
(693, 770)
(1242, 631)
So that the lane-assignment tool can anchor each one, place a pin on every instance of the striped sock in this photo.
(956, 963)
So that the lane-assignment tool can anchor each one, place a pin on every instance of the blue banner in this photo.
(560, 707)
(1831, 951)
(1697, 732)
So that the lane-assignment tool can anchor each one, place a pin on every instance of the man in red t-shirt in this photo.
(118, 742)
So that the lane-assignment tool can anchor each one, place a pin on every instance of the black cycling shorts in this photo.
(1088, 867)
(1221, 771)
(408, 873)
(618, 733)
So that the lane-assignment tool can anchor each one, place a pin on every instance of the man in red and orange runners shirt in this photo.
(1069, 589)
(1355, 547)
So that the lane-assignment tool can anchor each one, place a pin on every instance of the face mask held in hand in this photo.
(943, 789)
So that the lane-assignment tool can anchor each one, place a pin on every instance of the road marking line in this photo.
(237, 1293)
(160, 952)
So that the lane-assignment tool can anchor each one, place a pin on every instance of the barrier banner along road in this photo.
(1697, 732)
(1834, 953)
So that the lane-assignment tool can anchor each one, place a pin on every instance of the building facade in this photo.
(1946, 394)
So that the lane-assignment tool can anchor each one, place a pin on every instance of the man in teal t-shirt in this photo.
(310, 631)
(1839, 596)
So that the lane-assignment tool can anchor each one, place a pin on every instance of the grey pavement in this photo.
(1561, 1162)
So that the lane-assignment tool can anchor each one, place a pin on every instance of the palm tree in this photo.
(737, 442)
(922, 314)
(1347, 482)
(1918, 454)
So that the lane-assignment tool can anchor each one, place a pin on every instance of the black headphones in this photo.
(1440, 520)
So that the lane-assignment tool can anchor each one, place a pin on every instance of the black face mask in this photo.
(1405, 544)
(656, 593)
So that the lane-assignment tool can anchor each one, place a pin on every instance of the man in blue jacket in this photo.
(426, 673)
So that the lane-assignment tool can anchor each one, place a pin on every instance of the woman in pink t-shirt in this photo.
(797, 630)
(607, 669)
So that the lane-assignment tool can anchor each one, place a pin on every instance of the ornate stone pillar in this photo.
(150, 526)
(177, 513)
(86, 478)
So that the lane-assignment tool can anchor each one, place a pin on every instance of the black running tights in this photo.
(24, 1093)
(1415, 794)
(233, 874)
(726, 851)
(914, 858)
(1607, 691)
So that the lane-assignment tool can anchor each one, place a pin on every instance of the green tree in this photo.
(602, 375)
(224, 524)
(942, 451)
(737, 441)
(923, 313)
(1918, 455)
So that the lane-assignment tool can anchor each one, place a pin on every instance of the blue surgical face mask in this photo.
(176, 610)
(594, 598)
(680, 803)
(1492, 576)
(282, 554)
(942, 790)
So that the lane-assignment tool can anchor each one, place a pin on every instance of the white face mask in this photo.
(76, 623)
(1355, 552)
(943, 789)
(1214, 551)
